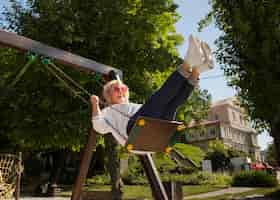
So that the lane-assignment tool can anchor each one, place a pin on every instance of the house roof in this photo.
(231, 101)
(193, 123)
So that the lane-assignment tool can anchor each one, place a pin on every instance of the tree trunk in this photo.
(275, 133)
(114, 166)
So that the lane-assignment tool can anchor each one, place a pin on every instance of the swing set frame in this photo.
(46, 52)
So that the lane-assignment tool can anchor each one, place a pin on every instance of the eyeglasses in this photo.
(122, 89)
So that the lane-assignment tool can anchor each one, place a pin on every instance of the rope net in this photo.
(10, 169)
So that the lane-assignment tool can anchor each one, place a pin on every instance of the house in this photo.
(226, 122)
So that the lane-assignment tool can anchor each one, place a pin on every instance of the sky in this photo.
(191, 12)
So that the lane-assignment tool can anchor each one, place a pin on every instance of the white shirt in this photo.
(114, 119)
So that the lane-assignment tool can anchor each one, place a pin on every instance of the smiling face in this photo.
(115, 92)
(118, 93)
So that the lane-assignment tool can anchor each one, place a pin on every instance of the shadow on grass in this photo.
(274, 195)
(269, 196)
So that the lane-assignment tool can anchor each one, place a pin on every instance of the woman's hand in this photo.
(95, 105)
(94, 100)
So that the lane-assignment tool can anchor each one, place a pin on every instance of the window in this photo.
(212, 132)
(229, 133)
(233, 116)
(225, 132)
(202, 133)
(216, 117)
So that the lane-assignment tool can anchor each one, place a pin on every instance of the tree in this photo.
(137, 37)
(218, 154)
(249, 53)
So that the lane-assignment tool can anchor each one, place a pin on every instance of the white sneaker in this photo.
(194, 55)
(208, 63)
(199, 55)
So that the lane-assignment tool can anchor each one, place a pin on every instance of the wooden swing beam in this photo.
(60, 56)
(69, 59)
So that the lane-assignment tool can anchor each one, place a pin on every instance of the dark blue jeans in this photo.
(164, 102)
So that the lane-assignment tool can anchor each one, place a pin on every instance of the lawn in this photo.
(141, 192)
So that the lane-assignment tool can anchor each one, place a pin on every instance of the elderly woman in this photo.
(119, 117)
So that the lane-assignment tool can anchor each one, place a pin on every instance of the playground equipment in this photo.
(137, 140)
(10, 173)
(146, 128)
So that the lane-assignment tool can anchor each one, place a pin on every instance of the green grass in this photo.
(199, 189)
(144, 192)
(258, 191)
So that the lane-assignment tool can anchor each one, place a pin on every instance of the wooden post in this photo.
(158, 190)
(17, 190)
(173, 190)
(84, 166)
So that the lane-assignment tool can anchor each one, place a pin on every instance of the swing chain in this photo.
(51, 66)
(32, 57)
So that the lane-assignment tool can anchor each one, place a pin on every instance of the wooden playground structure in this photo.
(24, 44)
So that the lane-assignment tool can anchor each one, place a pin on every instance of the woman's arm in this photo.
(95, 105)
(98, 122)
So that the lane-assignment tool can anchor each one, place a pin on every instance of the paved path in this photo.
(256, 197)
(55, 198)
(44, 198)
(231, 190)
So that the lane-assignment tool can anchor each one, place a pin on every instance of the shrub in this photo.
(134, 175)
(255, 179)
(192, 152)
(164, 163)
(200, 178)
(129, 178)
(101, 179)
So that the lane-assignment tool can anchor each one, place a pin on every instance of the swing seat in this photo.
(153, 135)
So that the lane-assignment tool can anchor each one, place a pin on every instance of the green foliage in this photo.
(192, 152)
(137, 37)
(200, 178)
(100, 179)
(217, 145)
(134, 175)
(206, 21)
(254, 179)
(220, 155)
(129, 178)
(37, 114)
(164, 163)
(196, 108)
(249, 53)
(234, 153)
